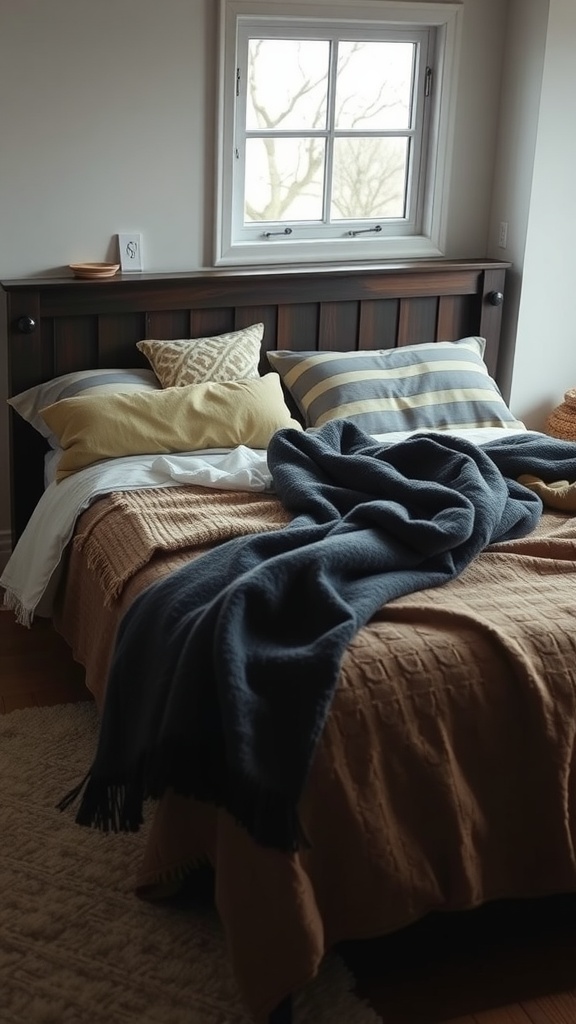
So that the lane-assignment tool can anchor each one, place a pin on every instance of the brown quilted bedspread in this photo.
(444, 777)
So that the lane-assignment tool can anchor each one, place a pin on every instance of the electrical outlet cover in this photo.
(130, 249)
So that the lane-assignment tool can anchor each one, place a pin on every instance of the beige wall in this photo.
(107, 124)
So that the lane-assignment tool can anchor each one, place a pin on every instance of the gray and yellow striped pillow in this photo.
(81, 382)
(437, 386)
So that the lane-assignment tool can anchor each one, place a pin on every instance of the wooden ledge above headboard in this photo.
(54, 325)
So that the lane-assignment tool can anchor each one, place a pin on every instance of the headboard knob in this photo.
(26, 324)
(495, 298)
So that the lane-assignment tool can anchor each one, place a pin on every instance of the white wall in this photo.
(108, 114)
(525, 51)
(545, 363)
(108, 111)
(107, 124)
(477, 120)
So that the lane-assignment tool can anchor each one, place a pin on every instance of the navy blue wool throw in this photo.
(224, 671)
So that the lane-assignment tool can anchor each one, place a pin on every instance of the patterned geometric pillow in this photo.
(433, 386)
(225, 357)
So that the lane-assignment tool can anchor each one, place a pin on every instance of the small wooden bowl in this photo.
(92, 271)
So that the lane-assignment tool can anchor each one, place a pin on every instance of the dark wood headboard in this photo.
(56, 325)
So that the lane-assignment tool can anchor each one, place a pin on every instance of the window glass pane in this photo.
(369, 178)
(374, 85)
(284, 179)
(287, 84)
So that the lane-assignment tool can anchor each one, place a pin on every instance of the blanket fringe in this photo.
(24, 616)
(108, 807)
(271, 820)
(110, 580)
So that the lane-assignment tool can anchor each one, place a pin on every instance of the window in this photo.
(335, 128)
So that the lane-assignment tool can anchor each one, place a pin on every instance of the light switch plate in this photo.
(130, 249)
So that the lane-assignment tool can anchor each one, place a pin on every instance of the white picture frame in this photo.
(130, 251)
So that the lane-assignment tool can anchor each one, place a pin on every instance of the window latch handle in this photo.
(364, 231)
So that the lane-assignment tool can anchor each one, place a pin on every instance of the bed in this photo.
(442, 776)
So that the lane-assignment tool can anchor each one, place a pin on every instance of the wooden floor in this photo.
(36, 667)
(503, 964)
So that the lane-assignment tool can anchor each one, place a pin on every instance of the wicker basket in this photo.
(562, 420)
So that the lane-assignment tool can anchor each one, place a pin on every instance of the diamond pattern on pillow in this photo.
(225, 357)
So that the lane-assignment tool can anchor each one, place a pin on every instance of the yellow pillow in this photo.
(179, 419)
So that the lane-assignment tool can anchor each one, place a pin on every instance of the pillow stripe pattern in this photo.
(108, 382)
(436, 386)
(28, 404)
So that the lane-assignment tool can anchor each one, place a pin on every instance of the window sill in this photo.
(350, 251)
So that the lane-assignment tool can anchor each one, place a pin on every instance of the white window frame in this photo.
(425, 237)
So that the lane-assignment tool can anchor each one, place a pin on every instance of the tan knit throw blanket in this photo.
(128, 527)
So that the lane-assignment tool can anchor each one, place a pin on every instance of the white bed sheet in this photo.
(31, 576)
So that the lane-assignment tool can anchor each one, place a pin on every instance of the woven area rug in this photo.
(76, 946)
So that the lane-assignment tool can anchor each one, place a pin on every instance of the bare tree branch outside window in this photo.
(285, 172)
